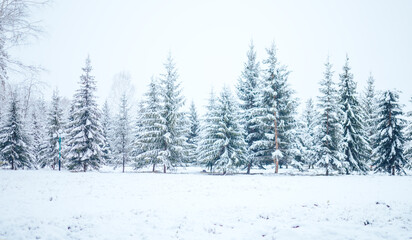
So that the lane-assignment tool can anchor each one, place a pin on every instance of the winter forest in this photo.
(258, 160)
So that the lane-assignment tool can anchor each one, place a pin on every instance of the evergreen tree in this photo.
(151, 127)
(354, 144)
(248, 93)
(14, 142)
(107, 133)
(369, 102)
(122, 133)
(275, 115)
(390, 138)
(85, 134)
(38, 131)
(229, 141)
(55, 125)
(208, 153)
(329, 128)
(193, 134)
(308, 138)
(408, 136)
(175, 132)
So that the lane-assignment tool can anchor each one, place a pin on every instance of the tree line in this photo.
(342, 131)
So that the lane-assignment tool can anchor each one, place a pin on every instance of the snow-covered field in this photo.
(110, 205)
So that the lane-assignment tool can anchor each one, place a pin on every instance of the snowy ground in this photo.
(111, 205)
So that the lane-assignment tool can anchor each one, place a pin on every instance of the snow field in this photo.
(64, 205)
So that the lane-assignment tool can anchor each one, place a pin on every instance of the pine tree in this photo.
(275, 115)
(408, 137)
(122, 133)
(390, 139)
(106, 133)
(85, 134)
(207, 151)
(354, 144)
(193, 134)
(229, 141)
(151, 128)
(38, 132)
(175, 132)
(14, 143)
(329, 127)
(308, 136)
(369, 104)
(55, 125)
(248, 93)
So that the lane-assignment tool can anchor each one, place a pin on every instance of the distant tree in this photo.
(248, 93)
(193, 134)
(175, 131)
(151, 128)
(370, 111)
(107, 129)
(275, 115)
(390, 139)
(408, 136)
(208, 152)
(14, 143)
(229, 141)
(85, 133)
(329, 128)
(308, 137)
(355, 146)
(122, 132)
(38, 131)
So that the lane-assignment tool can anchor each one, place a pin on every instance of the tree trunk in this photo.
(393, 170)
(276, 144)
(123, 164)
(248, 168)
(164, 168)
(84, 167)
(154, 167)
(12, 164)
(327, 169)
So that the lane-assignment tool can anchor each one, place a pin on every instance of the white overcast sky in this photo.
(209, 40)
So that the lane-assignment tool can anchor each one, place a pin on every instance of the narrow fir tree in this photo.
(308, 136)
(248, 93)
(390, 138)
(107, 134)
(151, 127)
(207, 152)
(354, 144)
(38, 132)
(193, 134)
(229, 142)
(408, 137)
(85, 134)
(14, 142)
(369, 102)
(329, 127)
(55, 125)
(275, 115)
(175, 132)
(122, 133)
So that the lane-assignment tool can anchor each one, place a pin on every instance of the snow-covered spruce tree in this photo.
(329, 128)
(390, 139)
(275, 115)
(122, 135)
(207, 152)
(353, 142)
(229, 141)
(308, 137)
(54, 128)
(408, 137)
(175, 130)
(193, 134)
(107, 133)
(248, 93)
(85, 133)
(14, 143)
(369, 106)
(150, 142)
(38, 131)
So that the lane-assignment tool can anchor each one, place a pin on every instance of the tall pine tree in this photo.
(175, 131)
(107, 133)
(354, 144)
(193, 134)
(390, 138)
(14, 143)
(329, 127)
(408, 136)
(85, 134)
(248, 93)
